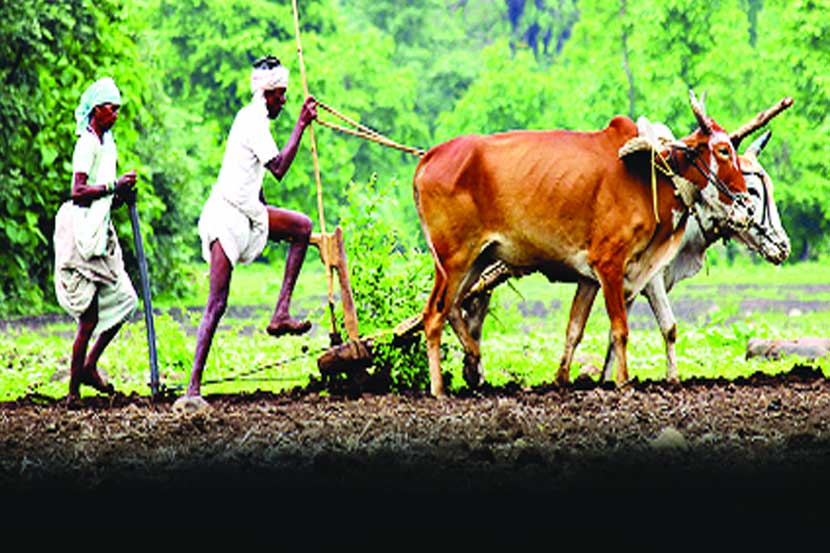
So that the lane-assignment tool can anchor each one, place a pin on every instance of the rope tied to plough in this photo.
(362, 131)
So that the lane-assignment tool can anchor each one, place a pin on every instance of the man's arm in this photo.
(280, 164)
(84, 193)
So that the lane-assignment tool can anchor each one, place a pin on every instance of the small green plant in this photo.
(391, 276)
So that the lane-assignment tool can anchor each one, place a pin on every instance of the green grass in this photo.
(515, 348)
(527, 350)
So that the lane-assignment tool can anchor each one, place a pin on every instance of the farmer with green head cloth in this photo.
(90, 281)
(236, 221)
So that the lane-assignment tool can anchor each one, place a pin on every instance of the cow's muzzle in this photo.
(740, 214)
(776, 251)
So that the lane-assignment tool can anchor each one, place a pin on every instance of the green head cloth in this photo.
(102, 91)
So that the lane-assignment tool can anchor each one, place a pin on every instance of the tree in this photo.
(205, 48)
(544, 26)
(792, 59)
(50, 51)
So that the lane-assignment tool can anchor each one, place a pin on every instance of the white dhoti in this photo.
(90, 262)
(242, 230)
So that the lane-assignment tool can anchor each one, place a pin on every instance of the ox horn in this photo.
(700, 112)
(758, 146)
(760, 120)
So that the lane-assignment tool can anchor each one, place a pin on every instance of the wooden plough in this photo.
(354, 353)
(357, 353)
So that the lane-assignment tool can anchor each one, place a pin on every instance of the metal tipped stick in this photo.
(148, 304)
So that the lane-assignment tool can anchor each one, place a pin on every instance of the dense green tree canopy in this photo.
(419, 72)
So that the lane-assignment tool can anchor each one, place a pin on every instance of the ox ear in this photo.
(758, 145)
(700, 112)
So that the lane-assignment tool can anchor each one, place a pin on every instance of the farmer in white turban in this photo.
(236, 221)
(90, 281)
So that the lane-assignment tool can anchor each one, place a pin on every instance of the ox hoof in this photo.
(190, 405)
(608, 385)
(473, 374)
(624, 385)
(562, 381)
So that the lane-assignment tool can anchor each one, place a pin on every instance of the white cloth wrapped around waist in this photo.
(91, 226)
(80, 272)
(241, 229)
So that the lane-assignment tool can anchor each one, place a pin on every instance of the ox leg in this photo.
(612, 290)
(610, 356)
(586, 291)
(434, 319)
(658, 299)
(443, 304)
(467, 324)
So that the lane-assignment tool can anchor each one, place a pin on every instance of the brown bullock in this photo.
(765, 235)
(565, 204)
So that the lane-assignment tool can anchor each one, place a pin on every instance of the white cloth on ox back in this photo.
(651, 136)
(655, 137)
(233, 213)
(88, 258)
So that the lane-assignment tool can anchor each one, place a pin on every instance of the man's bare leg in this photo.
(90, 375)
(217, 302)
(289, 225)
(86, 325)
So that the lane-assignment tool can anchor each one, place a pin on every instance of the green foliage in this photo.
(793, 58)
(46, 47)
(541, 26)
(517, 348)
(418, 72)
(390, 273)
(52, 51)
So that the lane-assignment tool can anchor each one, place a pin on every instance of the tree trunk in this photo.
(626, 66)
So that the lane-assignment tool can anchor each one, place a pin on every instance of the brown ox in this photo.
(562, 203)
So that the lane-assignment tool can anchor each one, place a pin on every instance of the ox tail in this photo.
(417, 196)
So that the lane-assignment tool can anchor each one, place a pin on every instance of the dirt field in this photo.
(751, 454)
(651, 465)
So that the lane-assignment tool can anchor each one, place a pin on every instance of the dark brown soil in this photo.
(752, 454)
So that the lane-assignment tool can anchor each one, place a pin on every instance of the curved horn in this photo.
(700, 113)
(760, 120)
(758, 146)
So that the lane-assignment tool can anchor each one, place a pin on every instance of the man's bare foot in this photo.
(288, 326)
(73, 401)
(91, 377)
(190, 404)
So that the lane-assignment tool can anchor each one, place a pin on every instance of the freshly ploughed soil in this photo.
(750, 455)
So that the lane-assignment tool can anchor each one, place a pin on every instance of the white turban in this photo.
(268, 79)
(102, 91)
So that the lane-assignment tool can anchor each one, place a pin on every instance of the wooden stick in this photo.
(329, 277)
(148, 305)
(760, 120)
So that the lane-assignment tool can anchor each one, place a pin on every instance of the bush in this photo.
(391, 275)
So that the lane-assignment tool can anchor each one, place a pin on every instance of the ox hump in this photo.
(623, 126)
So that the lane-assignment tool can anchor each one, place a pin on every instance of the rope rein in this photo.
(362, 131)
